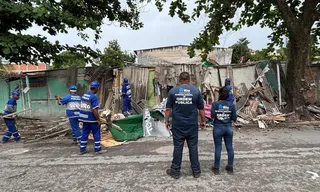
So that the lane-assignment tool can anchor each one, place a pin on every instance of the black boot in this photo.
(215, 171)
(229, 170)
(173, 175)
(196, 175)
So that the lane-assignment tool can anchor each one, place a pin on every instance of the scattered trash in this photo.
(314, 175)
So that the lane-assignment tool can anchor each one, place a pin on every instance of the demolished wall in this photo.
(44, 86)
(243, 74)
(179, 55)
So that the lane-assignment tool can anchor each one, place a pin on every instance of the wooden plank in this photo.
(251, 92)
(271, 118)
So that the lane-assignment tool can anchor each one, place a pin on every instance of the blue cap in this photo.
(125, 80)
(15, 93)
(227, 81)
(73, 87)
(95, 84)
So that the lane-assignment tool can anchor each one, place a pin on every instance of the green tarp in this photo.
(207, 64)
(131, 126)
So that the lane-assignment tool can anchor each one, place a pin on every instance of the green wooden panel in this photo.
(4, 94)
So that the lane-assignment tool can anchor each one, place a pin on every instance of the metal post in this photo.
(29, 101)
(279, 84)
(22, 96)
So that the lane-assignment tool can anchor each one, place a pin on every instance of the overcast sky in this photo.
(159, 30)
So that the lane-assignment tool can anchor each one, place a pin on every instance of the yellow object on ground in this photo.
(107, 139)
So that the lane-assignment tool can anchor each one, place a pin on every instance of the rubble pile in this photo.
(36, 129)
(258, 103)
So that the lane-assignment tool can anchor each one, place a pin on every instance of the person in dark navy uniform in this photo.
(184, 103)
(223, 112)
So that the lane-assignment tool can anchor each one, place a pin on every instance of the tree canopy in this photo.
(284, 17)
(68, 59)
(113, 56)
(296, 19)
(56, 17)
(241, 52)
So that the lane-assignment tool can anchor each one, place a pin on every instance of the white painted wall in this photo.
(240, 75)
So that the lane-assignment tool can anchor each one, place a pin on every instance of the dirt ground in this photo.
(265, 160)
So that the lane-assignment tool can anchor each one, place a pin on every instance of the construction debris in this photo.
(314, 109)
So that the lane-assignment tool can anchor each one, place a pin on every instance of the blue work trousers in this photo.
(178, 142)
(223, 132)
(12, 130)
(94, 128)
(74, 124)
(127, 108)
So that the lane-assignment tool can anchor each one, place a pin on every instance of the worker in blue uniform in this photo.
(72, 102)
(229, 88)
(11, 107)
(184, 103)
(89, 115)
(223, 113)
(126, 94)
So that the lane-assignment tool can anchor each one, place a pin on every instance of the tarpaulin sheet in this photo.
(152, 127)
(131, 126)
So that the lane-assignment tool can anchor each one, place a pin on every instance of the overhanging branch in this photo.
(288, 16)
(309, 11)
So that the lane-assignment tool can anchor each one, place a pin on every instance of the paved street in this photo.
(274, 160)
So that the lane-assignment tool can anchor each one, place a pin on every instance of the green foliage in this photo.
(113, 56)
(261, 55)
(283, 17)
(57, 17)
(283, 54)
(241, 52)
(68, 59)
(314, 49)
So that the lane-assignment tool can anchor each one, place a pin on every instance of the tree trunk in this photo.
(298, 56)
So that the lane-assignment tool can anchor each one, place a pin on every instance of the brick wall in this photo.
(29, 67)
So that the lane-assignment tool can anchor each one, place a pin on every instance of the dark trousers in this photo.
(178, 141)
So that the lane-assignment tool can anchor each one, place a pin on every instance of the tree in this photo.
(261, 55)
(295, 19)
(240, 50)
(314, 50)
(68, 59)
(282, 54)
(56, 17)
(113, 56)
